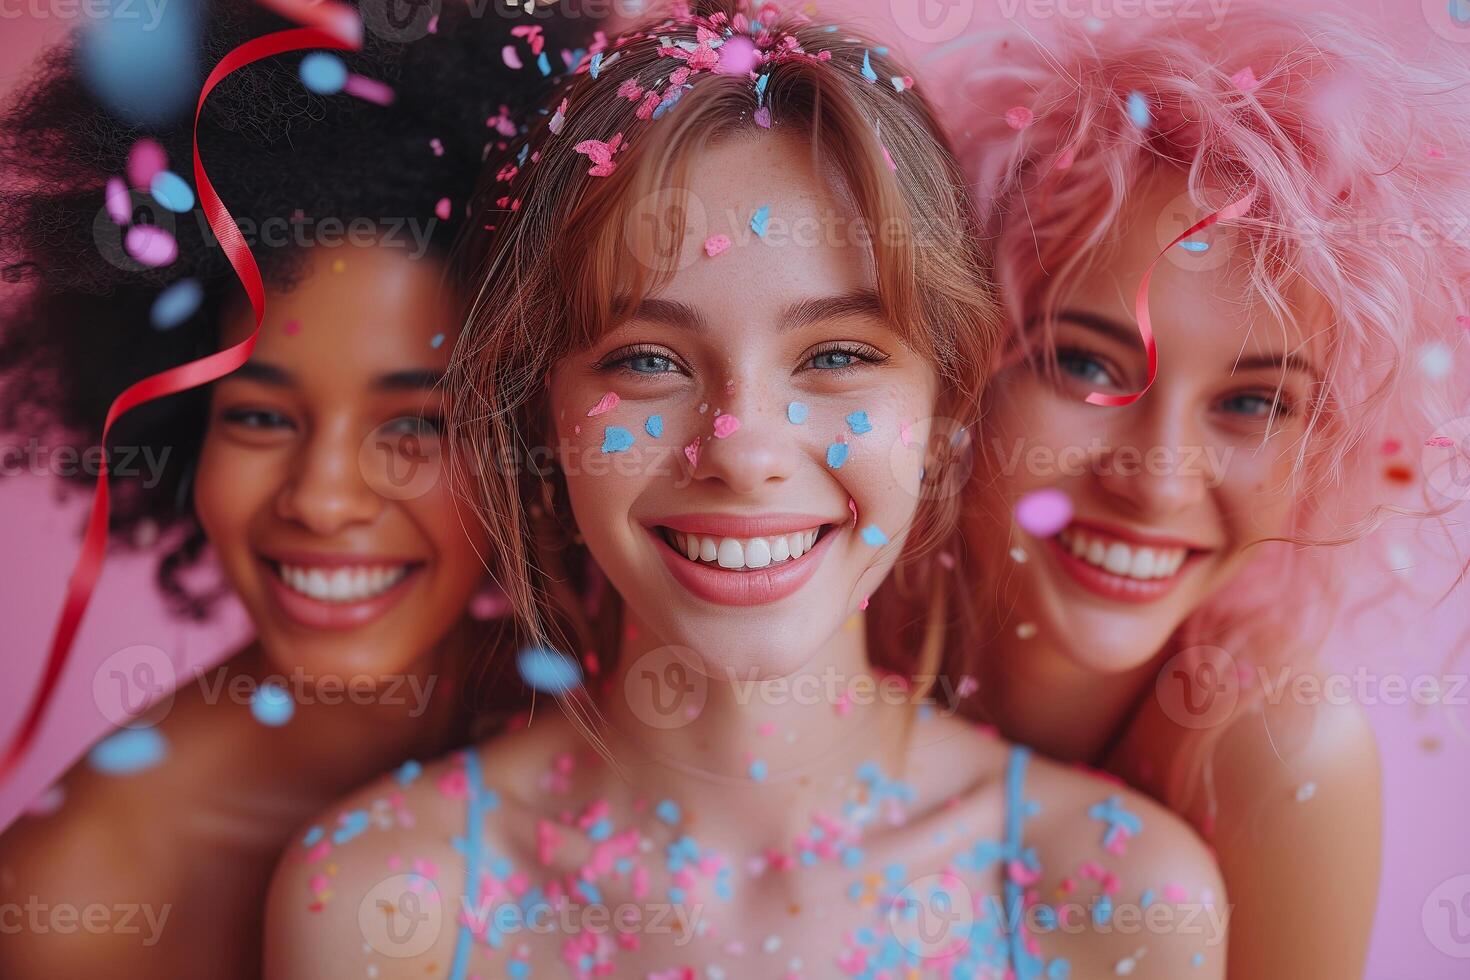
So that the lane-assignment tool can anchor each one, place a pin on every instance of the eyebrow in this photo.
(856, 303)
(266, 373)
(1129, 336)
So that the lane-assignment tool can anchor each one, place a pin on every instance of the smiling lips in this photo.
(742, 561)
(1123, 570)
(337, 593)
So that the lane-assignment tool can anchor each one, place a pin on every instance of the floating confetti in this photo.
(176, 304)
(489, 603)
(758, 770)
(837, 455)
(511, 57)
(716, 244)
(1138, 112)
(548, 671)
(1019, 117)
(271, 704)
(1435, 360)
(292, 327)
(436, 341)
(1018, 555)
(146, 159)
(119, 202)
(1026, 631)
(654, 425)
(323, 73)
(128, 751)
(605, 404)
(616, 439)
(761, 220)
(1245, 80)
(1306, 791)
(873, 536)
(796, 413)
(667, 811)
(859, 424)
(1044, 512)
(171, 192)
(738, 56)
(726, 425)
(151, 246)
(442, 209)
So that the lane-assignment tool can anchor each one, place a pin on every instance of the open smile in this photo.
(338, 592)
(1119, 568)
(770, 560)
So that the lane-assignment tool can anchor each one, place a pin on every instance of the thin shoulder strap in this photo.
(474, 835)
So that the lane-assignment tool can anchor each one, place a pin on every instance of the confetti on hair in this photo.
(716, 244)
(726, 425)
(691, 452)
(176, 304)
(601, 154)
(1138, 112)
(616, 439)
(868, 71)
(760, 89)
(1019, 117)
(1440, 442)
(873, 536)
(796, 413)
(605, 404)
(763, 117)
(654, 425)
(1245, 80)
(761, 220)
(548, 671)
(738, 56)
(837, 455)
(859, 424)
(558, 119)
(887, 158)
(1044, 512)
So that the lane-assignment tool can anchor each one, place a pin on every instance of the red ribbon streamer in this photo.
(1145, 323)
(94, 544)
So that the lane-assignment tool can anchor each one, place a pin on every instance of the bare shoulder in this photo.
(1130, 888)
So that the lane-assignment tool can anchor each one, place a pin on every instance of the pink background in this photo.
(1426, 751)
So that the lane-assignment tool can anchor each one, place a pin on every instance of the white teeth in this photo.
(737, 553)
(342, 584)
(1121, 558)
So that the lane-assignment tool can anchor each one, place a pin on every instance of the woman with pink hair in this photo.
(1232, 275)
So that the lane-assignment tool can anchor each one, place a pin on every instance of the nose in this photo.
(326, 490)
(1154, 463)
(756, 452)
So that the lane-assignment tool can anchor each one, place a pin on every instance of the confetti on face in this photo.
(145, 159)
(488, 604)
(548, 671)
(1019, 117)
(176, 304)
(716, 244)
(128, 751)
(796, 413)
(1195, 246)
(873, 536)
(1026, 631)
(1044, 512)
(1138, 113)
(654, 425)
(758, 770)
(151, 245)
(691, 452)
(292, 327)
(725, 426)
(761, 220)
(441, 209)
(1306, 791)
(1245, 79)
(859, 424)
(605, 404)
(852, 506)
(271, 705)
(837, 455)
(616, 439)
(171, 192)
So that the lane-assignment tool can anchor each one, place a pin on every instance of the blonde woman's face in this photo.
(1168, 492)
(743, 456)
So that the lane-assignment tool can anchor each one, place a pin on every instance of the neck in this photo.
(1040, 697)
(758, 757)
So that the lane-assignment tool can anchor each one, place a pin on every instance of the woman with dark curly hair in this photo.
(314, 472)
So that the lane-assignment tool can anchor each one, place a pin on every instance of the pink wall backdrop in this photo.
(1418, 935)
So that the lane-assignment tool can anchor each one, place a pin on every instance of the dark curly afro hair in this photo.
(78, 332)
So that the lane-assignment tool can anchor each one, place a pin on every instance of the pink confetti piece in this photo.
(146, 160)
(1044, 512)
(559, 119)
(369, 90)
(119, 202)
(437, 146)
(716, 244)
(946, 561)
(763, 117)
(1245, 80)
(601, 154)
(151, 246)
(968, 686)
(738, 55)
(292, 327)
(1019, 117)
(852, 506)
(1391, 446)
(1463, 321)
(1439, 442)
(442, 209)
(605, 404)
(511, 57)
(1021, 874)
(888, 159)
(691, 452)
(1433, 152)
(725, 426)
(905, 435)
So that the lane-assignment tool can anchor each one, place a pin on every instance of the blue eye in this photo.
(1254, 406)
(649, 364)
(1084, 367)
(833, 359)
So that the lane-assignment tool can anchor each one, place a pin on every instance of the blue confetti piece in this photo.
(859, 424)
(1195, 246)
(654, 425)
(408, 772)
(758, 770)
(868, 71)
(761, 220)
(128, 751)
(436, 341)
(525, 151)
(873, 536)
(1198, 959)
(667, 811)
(796, 413)
(548, 671)
(1059, 969)
(171, 192)
(313, 837)
(760, 89)
(354, 824)
(518, 969)
(882, 50)
(322, 73)
(543, 63)
(1138, 110)
(837, 455)
(897, 83)
(601, 830)
(1102, 912)
(144, 69)
(271, 705)
(176, 304)
(616, 439)
(596, 67)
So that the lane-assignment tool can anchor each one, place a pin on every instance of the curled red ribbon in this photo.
(1145, 323)
(202, 371)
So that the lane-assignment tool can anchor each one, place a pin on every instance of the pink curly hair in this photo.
(1360, 164)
